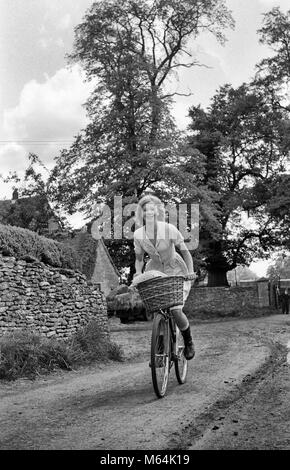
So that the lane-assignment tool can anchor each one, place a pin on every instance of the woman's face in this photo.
(150, 211)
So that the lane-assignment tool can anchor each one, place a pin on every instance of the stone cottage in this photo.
(35, 213)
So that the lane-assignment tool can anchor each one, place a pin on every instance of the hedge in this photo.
(22, 243)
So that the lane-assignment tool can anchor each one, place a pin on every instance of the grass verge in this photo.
(27, 354)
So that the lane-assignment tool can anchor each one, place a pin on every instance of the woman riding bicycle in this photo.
(158, 239)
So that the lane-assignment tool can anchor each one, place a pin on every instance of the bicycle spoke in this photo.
(160, 355)
(180, 361)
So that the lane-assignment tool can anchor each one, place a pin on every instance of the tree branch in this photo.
(169, 95)
(191, 64)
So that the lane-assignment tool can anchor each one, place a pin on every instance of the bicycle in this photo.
(167, 345)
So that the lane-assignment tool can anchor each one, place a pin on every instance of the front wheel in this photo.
(160, 355)
(180, 361)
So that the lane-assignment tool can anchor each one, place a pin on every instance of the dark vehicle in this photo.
(125, 302)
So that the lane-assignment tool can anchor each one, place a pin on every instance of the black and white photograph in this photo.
(144, 229)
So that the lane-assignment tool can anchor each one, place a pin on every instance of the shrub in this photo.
(22, 243)
(89, 344)
(26, 354)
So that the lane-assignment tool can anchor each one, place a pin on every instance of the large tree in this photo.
(130, 49)
(273, 72)
(273, 77)
(242, 137)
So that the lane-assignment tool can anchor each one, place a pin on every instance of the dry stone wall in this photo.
(224, 300)
(51, 301)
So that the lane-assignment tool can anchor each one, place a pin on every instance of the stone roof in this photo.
(87, 249)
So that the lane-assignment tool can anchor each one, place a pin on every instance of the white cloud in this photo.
(44, 43)
(12, 157)
(50, 111)
(42, 29)
(60, 42)
(46, 112)
(44, 106)
(65, 22)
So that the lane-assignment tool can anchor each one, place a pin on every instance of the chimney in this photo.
(14, 195)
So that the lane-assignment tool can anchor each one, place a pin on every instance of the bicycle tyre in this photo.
(180, 362)
(160, 358)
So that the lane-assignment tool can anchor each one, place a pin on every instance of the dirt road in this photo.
(236, 396)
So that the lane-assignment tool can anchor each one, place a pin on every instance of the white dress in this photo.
(163, 256)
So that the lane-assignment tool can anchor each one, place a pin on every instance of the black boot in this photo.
(189, 352)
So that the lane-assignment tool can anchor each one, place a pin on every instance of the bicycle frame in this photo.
(172, 331)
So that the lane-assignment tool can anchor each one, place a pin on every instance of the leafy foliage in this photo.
(241, 136)
(31, 208)
(22, 243)
(27, 354)
(130, 50)
(30, 212)
(89, 344)
(280, 268)
(278, 207)
(275, 33)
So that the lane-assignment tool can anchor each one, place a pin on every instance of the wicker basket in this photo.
(162, 292)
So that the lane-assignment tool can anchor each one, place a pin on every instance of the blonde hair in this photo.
(139, 216)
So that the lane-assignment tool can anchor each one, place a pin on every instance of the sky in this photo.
(41, 98)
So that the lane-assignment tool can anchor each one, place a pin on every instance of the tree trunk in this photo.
(217, 278)
(217, 266)
(131, 273)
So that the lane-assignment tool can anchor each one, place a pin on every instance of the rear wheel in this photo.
(160, 355)
(180, 361)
